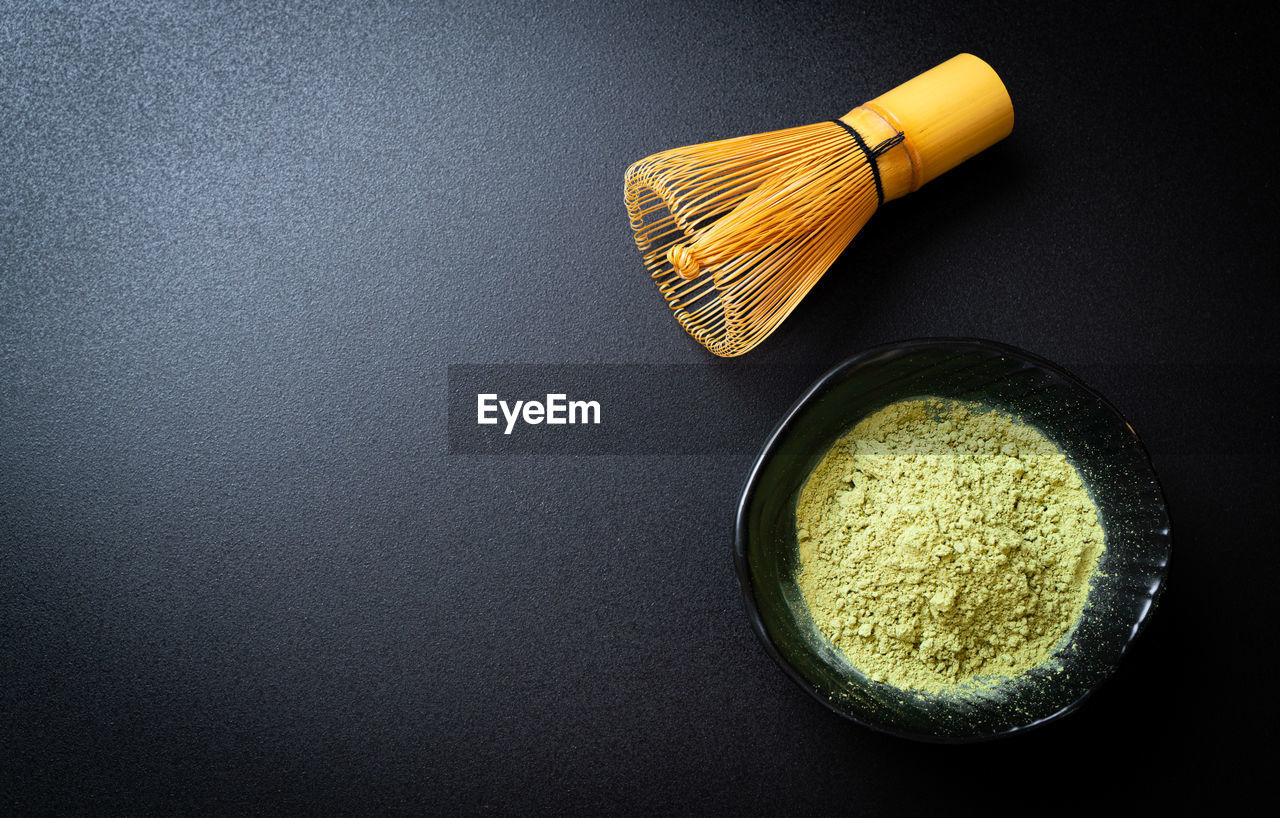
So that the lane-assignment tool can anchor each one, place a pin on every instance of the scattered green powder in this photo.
(944, 545)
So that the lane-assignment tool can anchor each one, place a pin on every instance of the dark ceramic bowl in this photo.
(1104, 448)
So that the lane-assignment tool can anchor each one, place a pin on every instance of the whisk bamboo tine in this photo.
(736, 232)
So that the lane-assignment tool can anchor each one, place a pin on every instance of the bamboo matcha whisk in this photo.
(736, 232)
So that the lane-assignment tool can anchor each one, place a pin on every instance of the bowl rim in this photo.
(819, 387)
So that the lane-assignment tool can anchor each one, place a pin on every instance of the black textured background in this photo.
(240, 247)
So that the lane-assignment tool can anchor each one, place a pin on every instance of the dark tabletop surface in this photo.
(242, 566)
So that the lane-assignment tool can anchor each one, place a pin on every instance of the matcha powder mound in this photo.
(944, 545)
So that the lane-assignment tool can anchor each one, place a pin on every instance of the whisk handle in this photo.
(949, 113)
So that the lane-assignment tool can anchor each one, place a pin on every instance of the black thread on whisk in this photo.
(872, 153)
